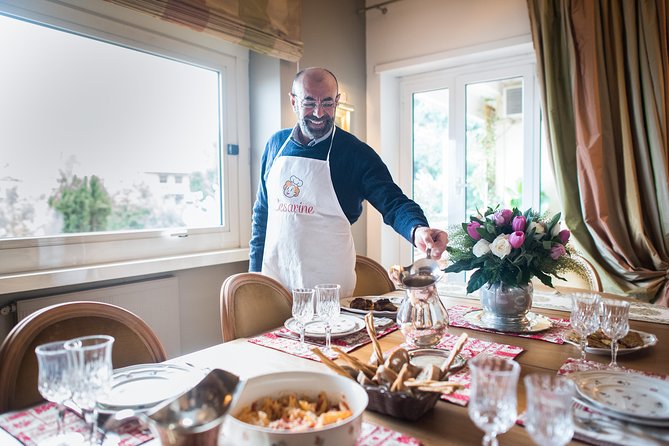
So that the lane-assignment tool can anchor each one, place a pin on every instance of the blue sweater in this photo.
(358, 174)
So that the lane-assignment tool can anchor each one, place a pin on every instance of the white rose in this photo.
(538, 229)
(501, 246)
(482, 247)
(556, 230)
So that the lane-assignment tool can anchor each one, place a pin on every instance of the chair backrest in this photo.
(135, 343)
(252, 303)
(590, 281)
(372, 278)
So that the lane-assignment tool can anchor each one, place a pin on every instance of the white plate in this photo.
(648, 341)
(596, 408)
(342, 326)
(142, 386)
(395, 300)
(625, 393)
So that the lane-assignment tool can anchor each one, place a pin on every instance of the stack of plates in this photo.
(626, 396)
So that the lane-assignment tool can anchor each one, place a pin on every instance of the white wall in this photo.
(412, 35)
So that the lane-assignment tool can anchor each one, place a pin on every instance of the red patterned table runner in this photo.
(347, 343)
(555, 334)
(30, 426)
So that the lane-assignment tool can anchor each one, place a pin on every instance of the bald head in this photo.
(312, 77)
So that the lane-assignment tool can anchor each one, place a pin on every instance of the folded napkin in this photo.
(374, 435)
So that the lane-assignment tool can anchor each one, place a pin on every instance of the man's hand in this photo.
(435, 239)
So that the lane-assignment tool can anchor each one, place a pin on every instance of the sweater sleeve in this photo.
(398, 210)
(259, 220)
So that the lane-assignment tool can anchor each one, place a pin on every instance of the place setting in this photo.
(317, 320)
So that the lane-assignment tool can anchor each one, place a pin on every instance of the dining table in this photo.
(446, 423)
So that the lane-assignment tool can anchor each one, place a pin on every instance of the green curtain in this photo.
(270, 27)
(604, 73)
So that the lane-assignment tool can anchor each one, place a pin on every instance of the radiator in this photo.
(155, 301)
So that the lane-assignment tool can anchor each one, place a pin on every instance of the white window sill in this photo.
(21, 282)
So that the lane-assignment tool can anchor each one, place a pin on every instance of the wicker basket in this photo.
(400, 404)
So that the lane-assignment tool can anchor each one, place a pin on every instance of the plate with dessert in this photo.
(381, 306)
(600, 344)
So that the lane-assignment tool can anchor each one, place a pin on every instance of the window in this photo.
(111, 136)
(474, 140)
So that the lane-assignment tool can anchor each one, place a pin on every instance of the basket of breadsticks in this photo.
(395, 385)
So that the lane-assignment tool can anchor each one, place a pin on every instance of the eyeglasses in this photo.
(310, 104)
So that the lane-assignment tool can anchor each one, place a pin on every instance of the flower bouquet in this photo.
(509, 247)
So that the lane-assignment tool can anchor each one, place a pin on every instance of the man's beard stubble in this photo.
(315, 133)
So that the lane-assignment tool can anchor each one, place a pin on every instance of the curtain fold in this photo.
(603, 69)
(268, 27)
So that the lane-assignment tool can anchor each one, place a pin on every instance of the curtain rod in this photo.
(380, 6)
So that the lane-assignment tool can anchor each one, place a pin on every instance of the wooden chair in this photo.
(372, 278)
(252, 303)
(135, 343)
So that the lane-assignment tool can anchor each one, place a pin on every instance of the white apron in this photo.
(308, 239)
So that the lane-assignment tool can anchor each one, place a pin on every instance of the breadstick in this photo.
(330, 363)
(368, 369)
(371, 331)
(454, 352)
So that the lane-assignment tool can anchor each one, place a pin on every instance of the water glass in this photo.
(54, 382)
(584, 317)
(92, 375)
(303, 310)
(493, 400)
(549, 417)
(327, 308)
(615, 323)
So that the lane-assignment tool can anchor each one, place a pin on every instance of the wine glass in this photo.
(303, 310)
(615, 323)
(492, 403)
(54, 384)
(584, 317)
(327, 308)
(92, 375)
(549, 418)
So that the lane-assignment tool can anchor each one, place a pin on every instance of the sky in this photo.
(119, 111)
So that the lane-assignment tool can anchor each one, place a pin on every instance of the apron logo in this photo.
(291, 188)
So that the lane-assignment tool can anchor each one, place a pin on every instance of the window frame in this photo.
(118, 25)
(454, 73)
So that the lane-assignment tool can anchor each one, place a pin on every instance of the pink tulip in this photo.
(564, 236)
(516, 239)
(502, 217)
(557, 251)
(471, 230)
(519, 223)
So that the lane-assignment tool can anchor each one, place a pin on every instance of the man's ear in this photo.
(293, 101)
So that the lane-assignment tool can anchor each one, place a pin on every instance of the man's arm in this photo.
(259, 221)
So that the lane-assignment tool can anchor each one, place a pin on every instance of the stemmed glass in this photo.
(492, 403)
(54, 383)
(327, 308)
(91, 374)
(615, 323)
(584, 317)
(303, 310)
(549, 418)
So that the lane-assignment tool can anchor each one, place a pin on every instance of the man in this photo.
(314, 178)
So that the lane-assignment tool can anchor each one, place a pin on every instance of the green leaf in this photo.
(476, 281)
(545, 279)
(458, 267)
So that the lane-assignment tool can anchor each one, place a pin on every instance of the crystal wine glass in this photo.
(615, 323)
(549, 418)
(92, 375)
(492, 404)
(327, 308)
(303, 310)
(54, 384)
(584, 317)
